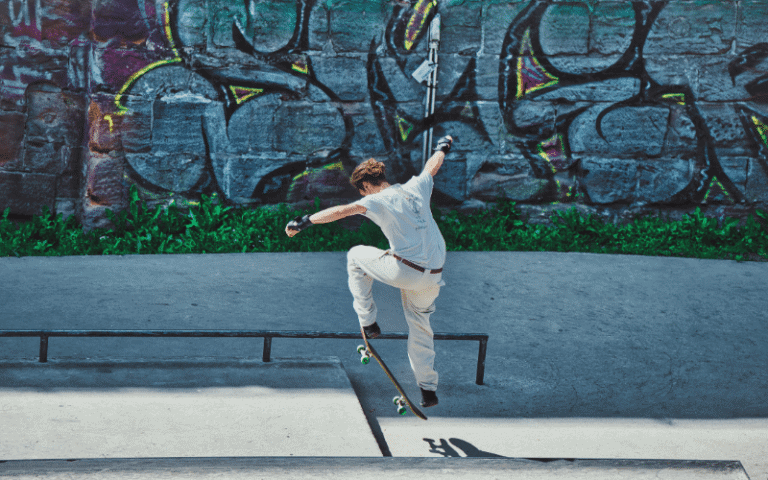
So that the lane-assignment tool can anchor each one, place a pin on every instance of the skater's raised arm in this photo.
(323, 216)
(436, 161)
(337, 213)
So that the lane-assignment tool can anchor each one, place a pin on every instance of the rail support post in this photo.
(43, 348)
(481, 361)
(267, 349)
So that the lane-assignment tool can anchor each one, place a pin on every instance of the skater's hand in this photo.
(444, 144)
(297, 224)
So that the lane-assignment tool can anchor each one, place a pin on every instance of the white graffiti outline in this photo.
(24, 13)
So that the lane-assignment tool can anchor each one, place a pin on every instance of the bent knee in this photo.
(354, 253)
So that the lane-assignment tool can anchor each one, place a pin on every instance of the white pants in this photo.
(418, 291)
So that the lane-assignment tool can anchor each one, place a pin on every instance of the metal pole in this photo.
(481, 361)
(429, 107)
(43, 348)
(267, 349)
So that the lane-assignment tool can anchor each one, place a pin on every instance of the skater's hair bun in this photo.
(369, 171)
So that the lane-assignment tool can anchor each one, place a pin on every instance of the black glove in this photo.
(300, 223)
(444, 145)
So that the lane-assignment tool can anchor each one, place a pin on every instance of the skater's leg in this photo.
(364, 265)
(418, 306)
(361, 285)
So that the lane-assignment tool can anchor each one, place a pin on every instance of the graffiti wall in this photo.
(617, 107)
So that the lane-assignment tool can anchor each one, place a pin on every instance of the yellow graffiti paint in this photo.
(762, 130)
(531, 75)
(417, 21)
(404, 126)
(300, 66)
(551, 150)
(243, 94)
(121, 109)
(334, 166)
(716, 183)
(545, 156)
(326, 168)
(678, 98)
(168, 32)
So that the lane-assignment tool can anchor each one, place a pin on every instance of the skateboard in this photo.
(401, 401)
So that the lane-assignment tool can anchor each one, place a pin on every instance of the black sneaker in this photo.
(372, 331)
(428, 398)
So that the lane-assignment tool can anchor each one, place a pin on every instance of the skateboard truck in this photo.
(365, 356)
(400, 403)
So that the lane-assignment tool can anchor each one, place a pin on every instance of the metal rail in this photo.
(268, 335)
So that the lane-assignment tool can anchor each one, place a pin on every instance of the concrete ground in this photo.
(369, 468)
(590, 356)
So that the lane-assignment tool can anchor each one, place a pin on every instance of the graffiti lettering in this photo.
(24, 12)
(271, 125)
(526, 74)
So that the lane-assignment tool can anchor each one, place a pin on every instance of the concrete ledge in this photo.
(190, 408)
(371, 468)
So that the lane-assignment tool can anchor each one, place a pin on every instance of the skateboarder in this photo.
(413, 263)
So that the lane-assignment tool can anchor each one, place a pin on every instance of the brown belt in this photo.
(416, 267)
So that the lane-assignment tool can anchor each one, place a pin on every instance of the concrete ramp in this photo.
(372, 468)
(189, 408)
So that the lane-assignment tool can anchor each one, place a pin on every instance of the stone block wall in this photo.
(618, 107)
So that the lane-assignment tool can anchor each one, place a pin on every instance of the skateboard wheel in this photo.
(360, 348)
(365, 359)
(397, 400)
(401, 410)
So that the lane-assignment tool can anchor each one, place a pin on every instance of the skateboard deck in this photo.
(366, 351)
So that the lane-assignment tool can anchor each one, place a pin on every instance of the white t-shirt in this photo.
(403, 213)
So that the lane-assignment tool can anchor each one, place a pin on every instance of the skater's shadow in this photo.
(445, 449)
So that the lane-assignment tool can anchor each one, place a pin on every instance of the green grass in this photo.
(211, 227)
